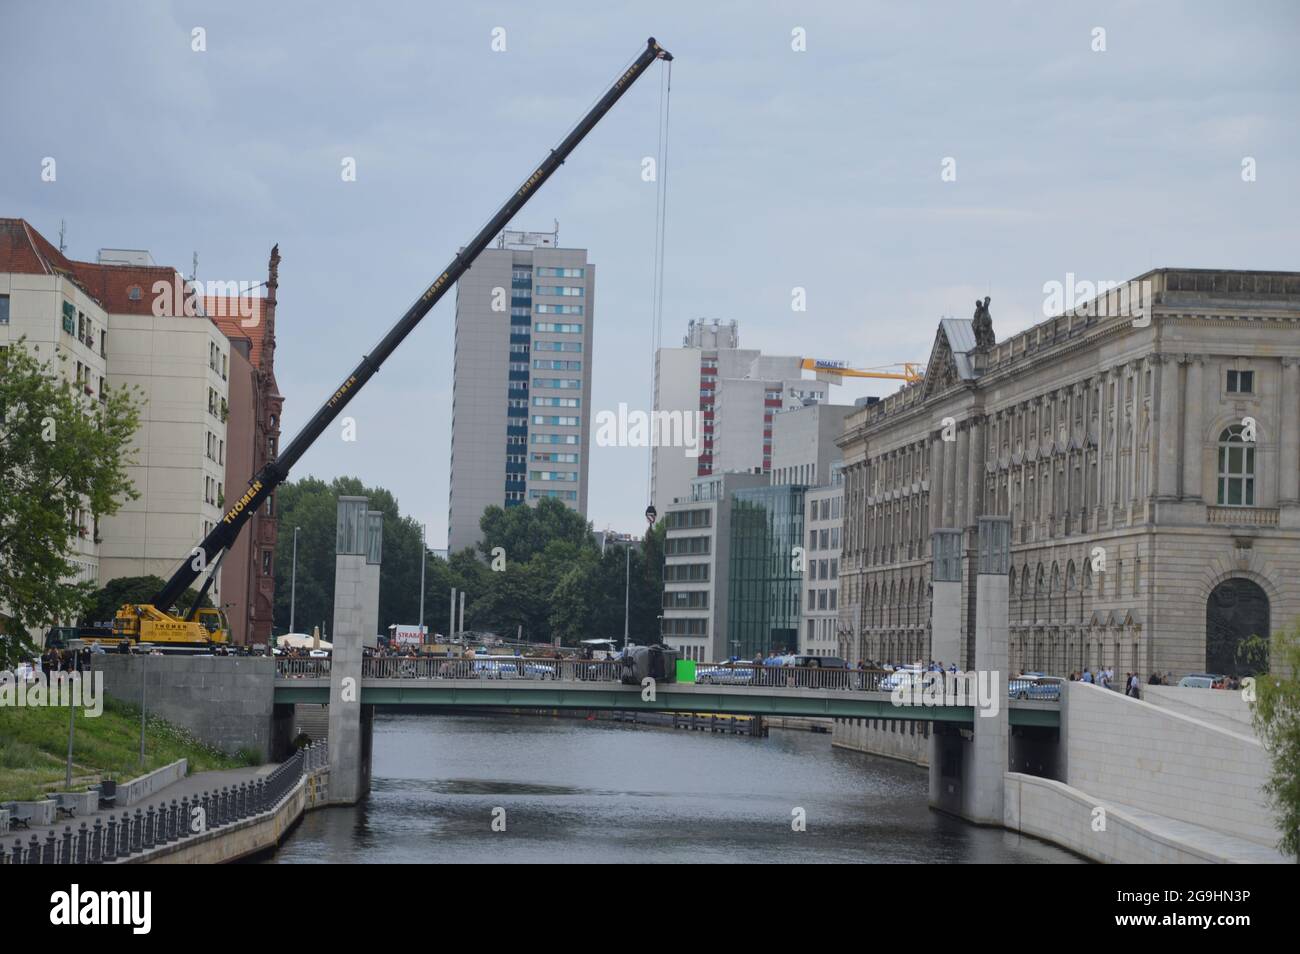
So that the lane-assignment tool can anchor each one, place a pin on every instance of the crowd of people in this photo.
(1105, 677)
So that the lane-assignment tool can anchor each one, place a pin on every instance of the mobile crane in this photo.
(153, 621)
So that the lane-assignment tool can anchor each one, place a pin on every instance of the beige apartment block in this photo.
(181, 366)
(1147, 450)
(64, 327)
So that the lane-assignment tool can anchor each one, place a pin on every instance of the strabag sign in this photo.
(409, 635)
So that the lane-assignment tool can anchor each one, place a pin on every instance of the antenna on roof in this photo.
(63, 245)
(194, 269)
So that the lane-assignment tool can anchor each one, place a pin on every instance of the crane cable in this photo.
(657, 276)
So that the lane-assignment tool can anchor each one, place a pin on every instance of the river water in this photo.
(587, 791)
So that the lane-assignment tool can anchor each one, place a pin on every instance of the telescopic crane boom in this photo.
(275, 472)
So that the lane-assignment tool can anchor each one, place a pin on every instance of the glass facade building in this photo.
(766, 576)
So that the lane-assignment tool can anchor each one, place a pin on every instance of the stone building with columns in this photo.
(1147, 450)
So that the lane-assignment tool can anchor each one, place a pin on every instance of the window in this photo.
(563, 291)
(558, 383)
(562, 272)
(266, 562)
(1236, 469)
(4, 309)
(69, 318)
(1241, 382)
(559, 310)
(566, 329)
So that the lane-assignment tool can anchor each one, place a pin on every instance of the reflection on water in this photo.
(595, 791)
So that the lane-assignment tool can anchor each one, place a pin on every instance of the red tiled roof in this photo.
(111, 285)
(225, 313)
(24, 250)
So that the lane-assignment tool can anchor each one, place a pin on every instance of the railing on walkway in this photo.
(539, 668)
(302, 668)
(170, 823)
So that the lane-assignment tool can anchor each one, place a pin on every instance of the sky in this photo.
(820, 167)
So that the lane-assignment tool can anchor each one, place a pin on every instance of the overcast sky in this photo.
(818, 168)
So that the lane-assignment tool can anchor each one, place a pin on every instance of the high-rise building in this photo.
(735, 391)
(521, 388)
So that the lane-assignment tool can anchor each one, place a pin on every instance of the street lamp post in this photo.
(627, 591)
(424, 558)
(293, 586)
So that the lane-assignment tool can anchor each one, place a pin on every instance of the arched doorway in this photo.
(1236, 610)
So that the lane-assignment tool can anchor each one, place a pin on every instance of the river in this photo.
(587, 791)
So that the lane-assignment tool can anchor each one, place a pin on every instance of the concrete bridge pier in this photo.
(968, 766)
(356, 616)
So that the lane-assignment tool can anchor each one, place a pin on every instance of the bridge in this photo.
(540, 683)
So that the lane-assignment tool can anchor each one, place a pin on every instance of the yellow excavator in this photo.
(151, 622)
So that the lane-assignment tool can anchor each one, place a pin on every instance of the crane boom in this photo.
(275, 472)
(911, 373)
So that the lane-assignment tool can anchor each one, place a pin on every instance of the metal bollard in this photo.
(65, 847)
(150, 819)
(137, 831)
(49, 856)
(83, 838)
(97, 844)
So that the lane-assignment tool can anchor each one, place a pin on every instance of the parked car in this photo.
(902, 676)
(817, 662)
(1035, 686)
(724, 675)
(1199, 680)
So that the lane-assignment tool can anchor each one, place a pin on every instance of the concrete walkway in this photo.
(1231, 848)
(189, 786)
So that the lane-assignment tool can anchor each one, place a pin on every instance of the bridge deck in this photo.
(668, 697)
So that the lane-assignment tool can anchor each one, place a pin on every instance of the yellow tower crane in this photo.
(836, 371)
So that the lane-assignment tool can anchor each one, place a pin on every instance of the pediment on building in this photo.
(950, 361)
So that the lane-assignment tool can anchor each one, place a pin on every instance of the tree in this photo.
(1276, 715)
(523, 532)
(311, 504)
(61, 454)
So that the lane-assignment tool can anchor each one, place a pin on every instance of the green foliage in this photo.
(1276, 715)
(34, 745)
(311, 504)
(60, 452)
(548, 578)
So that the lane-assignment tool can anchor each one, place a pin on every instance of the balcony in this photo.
(1242, 516)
